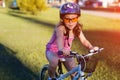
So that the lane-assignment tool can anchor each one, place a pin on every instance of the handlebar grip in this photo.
(96, 51)
(101, 49)
(73, 53)
(60, 52)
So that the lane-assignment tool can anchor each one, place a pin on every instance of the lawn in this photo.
(23, 38)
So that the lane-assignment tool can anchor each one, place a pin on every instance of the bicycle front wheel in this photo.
(44, 73)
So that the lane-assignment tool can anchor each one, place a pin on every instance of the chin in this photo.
(71, 28)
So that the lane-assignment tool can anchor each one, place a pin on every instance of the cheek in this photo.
(75, 23)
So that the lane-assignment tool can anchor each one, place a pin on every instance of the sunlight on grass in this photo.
(91, 22)
(27, 35)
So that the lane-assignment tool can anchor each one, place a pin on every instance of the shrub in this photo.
(32, 6)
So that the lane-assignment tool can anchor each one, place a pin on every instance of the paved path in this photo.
(103, 14)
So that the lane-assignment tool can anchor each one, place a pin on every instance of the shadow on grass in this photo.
(111, 42)
(16, 11)
(16, 14)
(11, 68)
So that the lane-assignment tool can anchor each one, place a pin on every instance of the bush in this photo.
(8, 2)
(32, 6)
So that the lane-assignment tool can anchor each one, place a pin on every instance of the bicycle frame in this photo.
(78, 70)
(80, 74)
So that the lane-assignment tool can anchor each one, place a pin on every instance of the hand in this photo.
(66, 52)
(94, 49)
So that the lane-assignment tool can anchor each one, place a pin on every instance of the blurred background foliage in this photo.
(28, 6)
(8, 2)
(32, 6)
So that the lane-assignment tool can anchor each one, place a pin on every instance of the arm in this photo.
(84, 41)
(60, 39)
(60, 36)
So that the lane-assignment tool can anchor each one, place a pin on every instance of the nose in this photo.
(70, 21)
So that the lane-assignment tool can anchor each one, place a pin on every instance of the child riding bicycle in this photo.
(64, 33)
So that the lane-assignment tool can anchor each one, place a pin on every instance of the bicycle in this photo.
(79, 69)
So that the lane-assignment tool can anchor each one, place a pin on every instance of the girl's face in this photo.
(70, 20)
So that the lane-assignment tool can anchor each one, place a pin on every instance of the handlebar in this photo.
(80, 57)
(94, 52)
(72, 53)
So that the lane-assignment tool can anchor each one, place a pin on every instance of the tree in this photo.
(8, 2)
(32, 6)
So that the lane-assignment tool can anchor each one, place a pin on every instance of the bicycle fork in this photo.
(79, 74)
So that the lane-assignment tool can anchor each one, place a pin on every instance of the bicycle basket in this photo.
(89, 65)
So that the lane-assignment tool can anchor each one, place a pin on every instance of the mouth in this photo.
(71, 26)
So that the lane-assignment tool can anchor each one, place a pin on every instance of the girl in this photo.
(64, 33)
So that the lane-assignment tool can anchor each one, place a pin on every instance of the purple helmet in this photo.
(70, 8)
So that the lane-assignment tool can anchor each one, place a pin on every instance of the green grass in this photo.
(23, 38)
(92, 22)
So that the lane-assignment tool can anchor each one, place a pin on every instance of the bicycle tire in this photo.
(44, 73)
